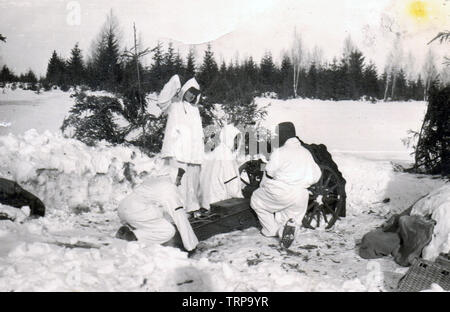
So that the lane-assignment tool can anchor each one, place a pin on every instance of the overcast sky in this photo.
(235, 27)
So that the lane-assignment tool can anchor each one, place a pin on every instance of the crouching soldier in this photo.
(220, 178)
(149, 212)
(281, 200)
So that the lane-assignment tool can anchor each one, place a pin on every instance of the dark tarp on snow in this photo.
(402, 236)
(12, 194)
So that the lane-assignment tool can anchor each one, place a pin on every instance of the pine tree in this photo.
(75, 67)
(311, 82)
(410, 89)
(342, 81)
(419, 90)
(268, 73)
(6, 75)
(432, 154)
(169, 63)
(209, 69)
(355, 74)
(56, 71)
(29, 77)
(250, 71)
(209, 80)
(178, 65)
(190, 64)
(107, 53)
(157, 68)
(401, 86)
(285, 82)
(370, 81)
(131, 90)
(223, 69)
(325, 83)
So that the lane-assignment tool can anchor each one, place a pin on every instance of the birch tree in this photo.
(317, 56)
(297, 58)
(397, 56)
(393, 66)
(429, 72)
(349, 48)
(410, 65)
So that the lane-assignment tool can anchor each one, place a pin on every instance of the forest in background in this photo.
(302, 72)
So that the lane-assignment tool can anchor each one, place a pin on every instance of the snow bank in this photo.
(67, 173)
(17, 215)
(370, 182)
(436, 205)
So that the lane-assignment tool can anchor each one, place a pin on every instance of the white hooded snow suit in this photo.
(153, 206)
(285, 195)
(220, 179)
(184, 143)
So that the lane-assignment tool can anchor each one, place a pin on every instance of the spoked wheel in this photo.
(254, 174)
(327, 200)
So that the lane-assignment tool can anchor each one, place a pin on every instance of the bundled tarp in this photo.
(403, 237)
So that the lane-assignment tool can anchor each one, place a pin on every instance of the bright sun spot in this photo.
(418, 9)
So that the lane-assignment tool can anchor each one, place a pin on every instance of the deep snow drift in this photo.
(81, 187)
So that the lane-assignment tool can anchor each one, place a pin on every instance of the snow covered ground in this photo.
(373, 131)
(81, 187)
(21, 110)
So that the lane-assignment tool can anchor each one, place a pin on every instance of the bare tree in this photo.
(396, 62)
(349, 47)
(317, 56)
(393, 66)
(410, 67)
(135, 54)
(429, 72)
(297, 56)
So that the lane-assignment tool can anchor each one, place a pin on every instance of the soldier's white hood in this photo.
(164, 168)
(227, 135)
(191, 83)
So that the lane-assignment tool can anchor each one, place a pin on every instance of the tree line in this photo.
(349, 77)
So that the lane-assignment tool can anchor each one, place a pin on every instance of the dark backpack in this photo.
(323, 158)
